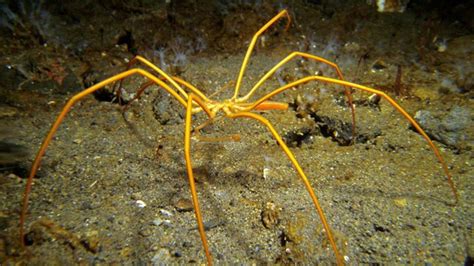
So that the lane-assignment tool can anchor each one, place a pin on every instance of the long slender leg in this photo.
(284, 61)
(381, 94)
(144, 86)
(175, 81)
(310, 57)
(187, 147)
(272, 21)
(190, 87)
(62, 115)
(298, 169)
(189, 168)
(156, 69)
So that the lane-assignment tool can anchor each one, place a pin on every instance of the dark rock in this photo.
(449, 128)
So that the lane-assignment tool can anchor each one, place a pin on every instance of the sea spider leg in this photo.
(165, 77)
(173, 80)
(189, 169)
(381, 94)
(310, 57)
(284, 13)
(63, 114)
(300, 172)
(193, 89)
(190, 87)
(147, 84)
(272, 21)
(196, 130)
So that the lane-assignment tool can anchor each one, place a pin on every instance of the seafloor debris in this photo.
(45, 228)
(270, 215)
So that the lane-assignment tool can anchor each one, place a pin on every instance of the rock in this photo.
(184, 205)
(140, 204)
(166, 213)
(452, 129)
(162, 257)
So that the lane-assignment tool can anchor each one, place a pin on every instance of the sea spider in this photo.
(194, 101)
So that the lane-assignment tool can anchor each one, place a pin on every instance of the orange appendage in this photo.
(269, 105)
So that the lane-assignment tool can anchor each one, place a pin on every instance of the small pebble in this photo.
(166, 213)
(157, 221)
(13, 176)
(184, 205)
(140, 204)
(162, 257)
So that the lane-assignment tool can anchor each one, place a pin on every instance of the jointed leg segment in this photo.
(174, 81)
(309, 57)
(63, 114)
(381, 94)
(280, 15)
(302, 175)
(299, 170)
(189, 169)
